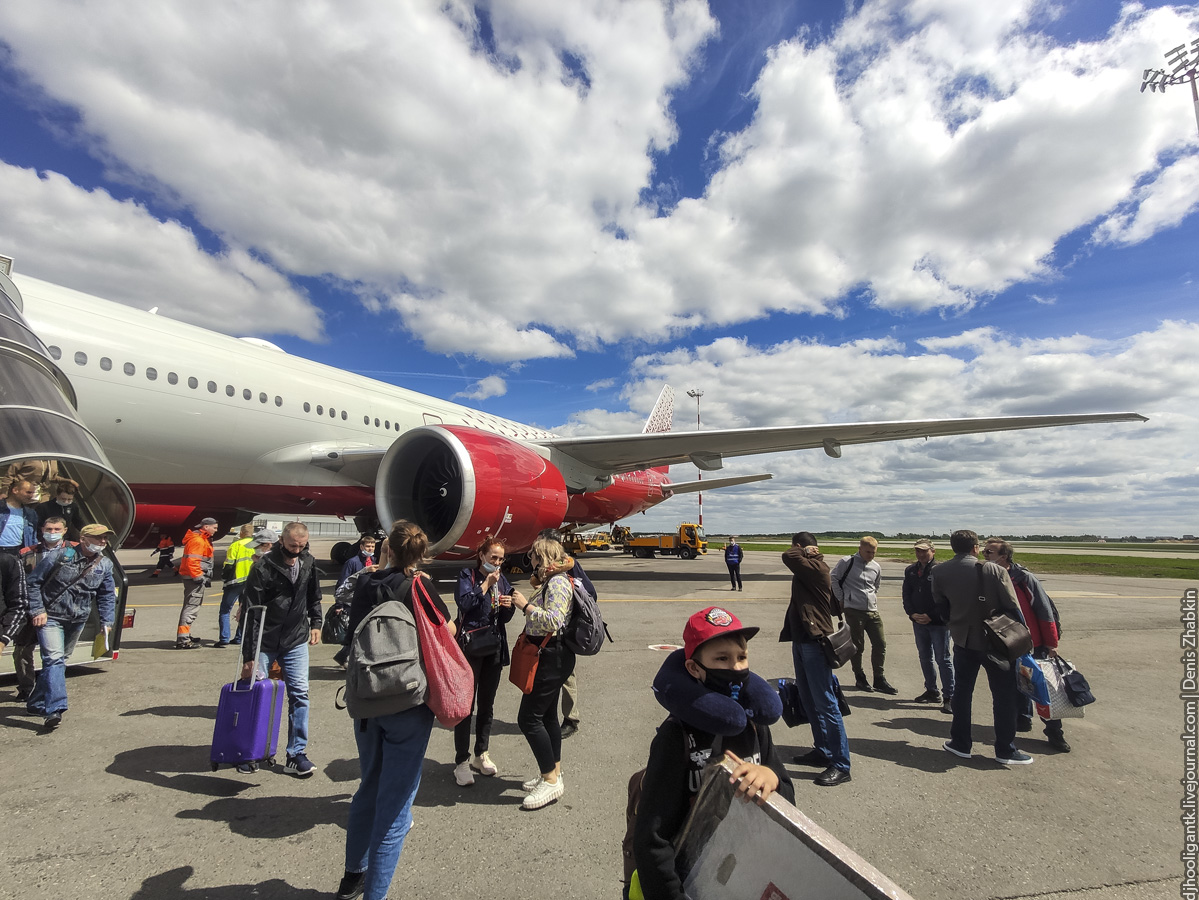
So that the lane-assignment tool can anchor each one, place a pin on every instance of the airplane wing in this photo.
(707, 449)
(711, 484)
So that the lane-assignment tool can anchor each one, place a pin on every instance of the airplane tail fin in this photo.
(662, 416)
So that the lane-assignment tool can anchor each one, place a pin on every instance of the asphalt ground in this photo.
(120, 801)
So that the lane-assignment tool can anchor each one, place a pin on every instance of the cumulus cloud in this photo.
(602, 385)
(928, 154)
(117, 250)
(1114, 479)
(491, 386)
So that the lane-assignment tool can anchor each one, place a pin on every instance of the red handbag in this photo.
(525, 656)
(449, 676)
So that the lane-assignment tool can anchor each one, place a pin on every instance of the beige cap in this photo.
(97, 531)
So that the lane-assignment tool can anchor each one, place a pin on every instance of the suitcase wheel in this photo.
(215, 766)
(270, 761)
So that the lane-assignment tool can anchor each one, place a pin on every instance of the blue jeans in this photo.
(966, 664)
(391, 751)
(57, 641)
(932, 643)
(814, 678)
(229, 596)
(294, 663)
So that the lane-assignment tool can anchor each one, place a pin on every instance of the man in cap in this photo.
(931, 631)
(62, 589)
(261, 543)
(196, 572)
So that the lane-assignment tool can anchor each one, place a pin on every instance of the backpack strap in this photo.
(841, 581)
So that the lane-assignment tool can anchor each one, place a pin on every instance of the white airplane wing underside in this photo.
(706, 449)
(712, 484)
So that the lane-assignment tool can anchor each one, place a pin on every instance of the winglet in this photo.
(662, 416)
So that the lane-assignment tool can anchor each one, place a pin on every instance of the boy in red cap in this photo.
(716, 706)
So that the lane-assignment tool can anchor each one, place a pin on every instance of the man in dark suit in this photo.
(966, 592)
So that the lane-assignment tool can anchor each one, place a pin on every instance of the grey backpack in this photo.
(585, 629)
(384, 673)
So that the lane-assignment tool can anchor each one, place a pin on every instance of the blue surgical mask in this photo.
(51, 537)
(488, 567)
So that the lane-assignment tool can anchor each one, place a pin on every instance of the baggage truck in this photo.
(687, 542)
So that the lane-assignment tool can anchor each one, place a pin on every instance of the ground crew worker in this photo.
(238, 559)
(196, 571)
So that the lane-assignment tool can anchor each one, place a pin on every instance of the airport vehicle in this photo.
(687, 543)
(578, 543)
(147, 407)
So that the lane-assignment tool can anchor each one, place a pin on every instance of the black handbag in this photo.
(337, 621)
(793, 711)
(838, 647)
(1007, 639)
(478, 643)
(1076, 685)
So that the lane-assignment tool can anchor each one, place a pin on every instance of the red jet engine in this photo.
(461, 484)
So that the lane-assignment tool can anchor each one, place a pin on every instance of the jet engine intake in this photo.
(460, 484)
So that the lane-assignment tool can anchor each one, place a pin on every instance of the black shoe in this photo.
(568, 728)
(863, 685)
(929, 697)
(813, 758)
(885, 687)
(220, 644)
(947, 706)
(154, 575)
(1058, 743)
(53, 720)
(352, 885)
(22, 695)
(1024, 723)
(831, 777)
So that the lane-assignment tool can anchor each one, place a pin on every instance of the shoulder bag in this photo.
(451, 681)
(838, 647)
(1007, 639)
(525, 657)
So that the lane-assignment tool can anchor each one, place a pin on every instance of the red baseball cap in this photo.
(709, 623)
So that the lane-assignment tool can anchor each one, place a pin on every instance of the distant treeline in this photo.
(915, 536)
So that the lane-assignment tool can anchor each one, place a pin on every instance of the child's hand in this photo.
(757, 782)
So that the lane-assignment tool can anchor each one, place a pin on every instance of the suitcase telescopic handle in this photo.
(257, 652)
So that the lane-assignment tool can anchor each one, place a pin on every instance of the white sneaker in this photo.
(543, 795)
(463, 775)
(483, 764)
(532, 783)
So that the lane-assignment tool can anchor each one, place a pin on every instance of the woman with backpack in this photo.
(546, 614)
(391, 747)
(484, 599)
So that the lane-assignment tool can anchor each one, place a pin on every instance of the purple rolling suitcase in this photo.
(247, 718)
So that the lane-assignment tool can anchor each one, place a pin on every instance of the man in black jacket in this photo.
(931, 631)
(286, 582)
(810, 617)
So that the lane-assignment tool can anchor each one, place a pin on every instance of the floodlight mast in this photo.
(1186, 68)
(697, 393)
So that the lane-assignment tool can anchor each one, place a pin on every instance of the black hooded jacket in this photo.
(292, 610)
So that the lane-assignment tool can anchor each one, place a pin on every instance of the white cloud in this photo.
(1112, 479)
(491, 386)
(602, 385)
(118, 250)
(931, 153)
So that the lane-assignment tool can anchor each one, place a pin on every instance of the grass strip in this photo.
(1044, 563)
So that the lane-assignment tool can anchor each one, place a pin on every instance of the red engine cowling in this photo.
(460, 484)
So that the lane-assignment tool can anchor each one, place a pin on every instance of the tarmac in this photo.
(121, 802)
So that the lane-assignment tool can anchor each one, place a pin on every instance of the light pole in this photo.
(696, 393)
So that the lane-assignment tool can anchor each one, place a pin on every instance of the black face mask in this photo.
(729, 682)
(288, 553)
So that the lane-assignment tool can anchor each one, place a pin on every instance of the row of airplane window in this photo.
(230, 391)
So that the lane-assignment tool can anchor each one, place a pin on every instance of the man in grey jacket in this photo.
(855, 581)
(966, 592)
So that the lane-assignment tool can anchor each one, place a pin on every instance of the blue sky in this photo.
(813, 212)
